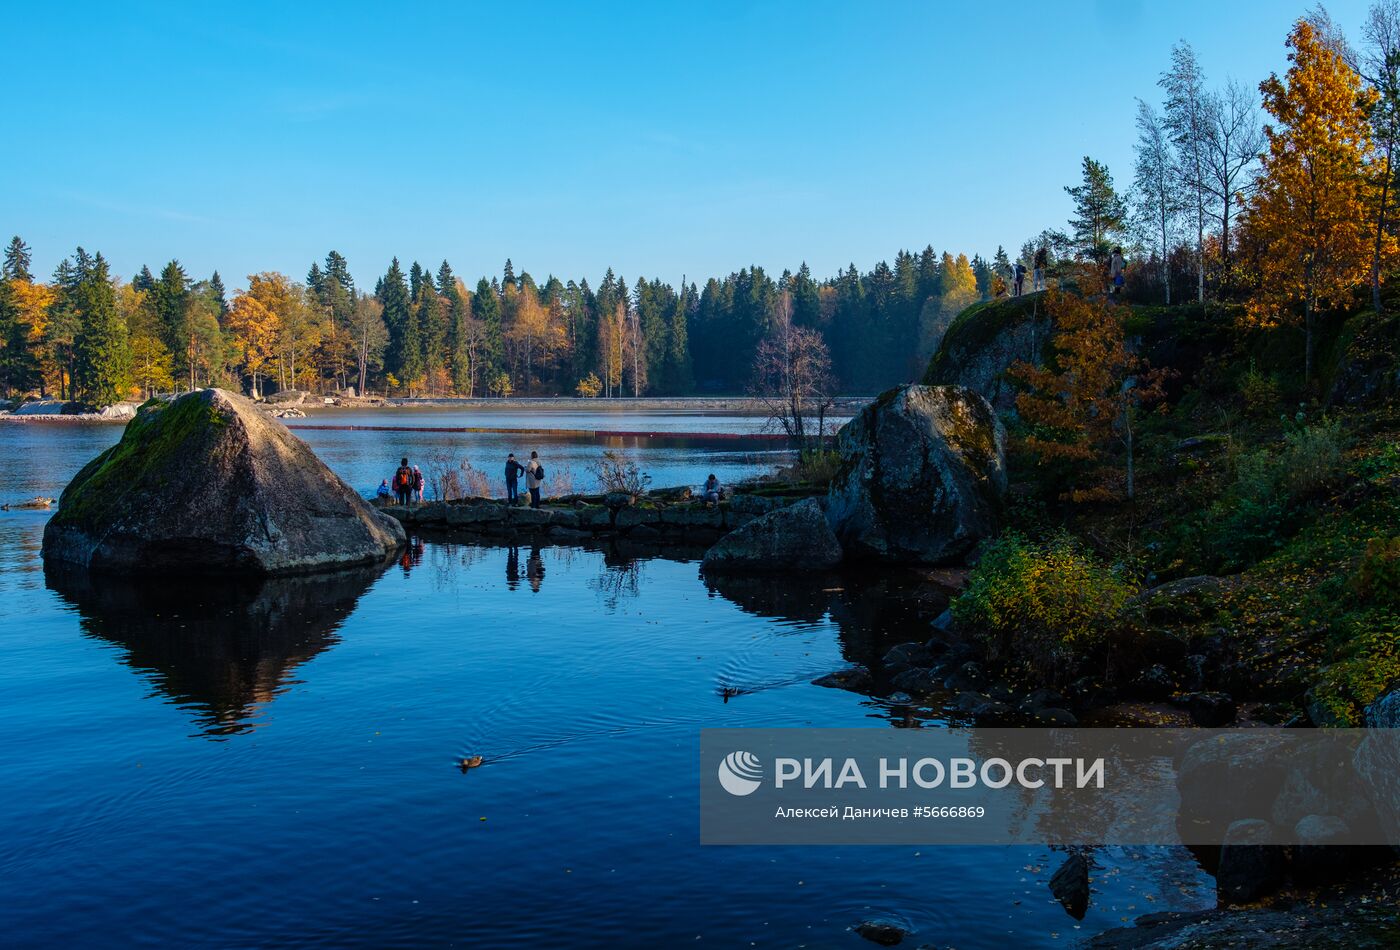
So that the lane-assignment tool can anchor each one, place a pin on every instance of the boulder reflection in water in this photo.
(221, 650)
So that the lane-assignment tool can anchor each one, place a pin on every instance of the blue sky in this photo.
(662, 139)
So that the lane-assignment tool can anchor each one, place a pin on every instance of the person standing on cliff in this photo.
(1116, 266)
(403, 482)
(534, 478)
(513, 472)
(1041, 262)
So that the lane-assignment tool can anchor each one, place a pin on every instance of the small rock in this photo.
(1070, 885)
(1055, 717)
(899, 699)
(1251, 866)
(1039, 699)
(1319, 858)
(883, 930)
(905, 655)
(1211, 710)
(1154, 683)
(918, 682)
(982, 709)
(855, 678)
(969, 676)
(1001, 693)
(1195, 671)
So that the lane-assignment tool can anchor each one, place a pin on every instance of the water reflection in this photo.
(222, 651)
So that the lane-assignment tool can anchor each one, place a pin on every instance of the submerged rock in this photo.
(1070, 885)
(922, 476)
(209, 483)
(885, 931)
(796, 538)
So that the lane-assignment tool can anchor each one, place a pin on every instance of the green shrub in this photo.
(1377, 578)
(817, 467)
(1260, 391)
(1266, 502)
(1372, 663)
(1040, 609)
(1311, 459)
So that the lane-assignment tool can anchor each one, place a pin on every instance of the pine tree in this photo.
(680, 375)
(400, 356)
(19, 364)
(102, 358)
(144, 280)
(432, 328)
(486, 307)
(216, 290)
(1099, 212)
(17, 261)
(170, 295)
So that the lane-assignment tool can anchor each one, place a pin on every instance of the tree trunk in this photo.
(1128, 442)
(1200, 256)
(1308, 307)
(1380, 234)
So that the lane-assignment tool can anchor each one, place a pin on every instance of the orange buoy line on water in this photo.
(587, 433)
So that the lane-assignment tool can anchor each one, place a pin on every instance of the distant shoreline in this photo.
(313, 406)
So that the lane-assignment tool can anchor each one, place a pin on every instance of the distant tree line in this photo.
(89, 336)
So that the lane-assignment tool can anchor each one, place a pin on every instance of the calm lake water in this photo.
(274, 764)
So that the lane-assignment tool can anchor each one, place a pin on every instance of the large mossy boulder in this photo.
(922, 476)
(985, 341)
(795, 538)
(209, 483)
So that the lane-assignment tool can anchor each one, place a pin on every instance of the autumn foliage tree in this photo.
(1311, 213)
(1082, 404)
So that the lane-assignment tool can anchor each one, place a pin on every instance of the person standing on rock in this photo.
(403, 482)
(1042, 257)
(513, 472)
(534, 478)
(1116, 266)
(418, 484)
(1020, 273)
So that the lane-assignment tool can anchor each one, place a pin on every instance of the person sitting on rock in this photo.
(418, 484)
(403, 482)
(384, 490)
(712, 490)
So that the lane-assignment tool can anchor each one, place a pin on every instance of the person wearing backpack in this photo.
(534, 478)
(513, 472)
(403, 482)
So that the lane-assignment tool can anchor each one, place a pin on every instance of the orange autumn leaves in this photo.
(1313, 214)
(1080, 405)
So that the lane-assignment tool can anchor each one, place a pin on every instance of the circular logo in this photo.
(741, 773)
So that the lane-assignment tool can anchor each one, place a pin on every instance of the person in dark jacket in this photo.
(513, 472)
(403, 482)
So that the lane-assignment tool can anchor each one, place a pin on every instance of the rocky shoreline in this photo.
(669, 517)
